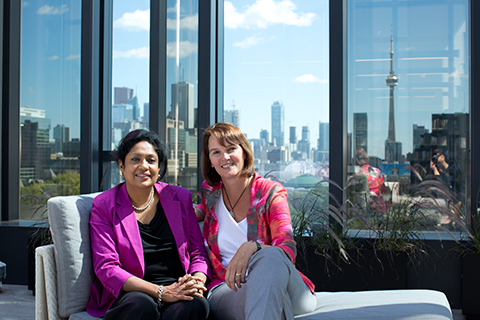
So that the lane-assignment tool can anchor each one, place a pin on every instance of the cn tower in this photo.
(392, 81)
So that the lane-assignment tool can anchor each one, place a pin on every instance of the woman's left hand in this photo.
(237, 267)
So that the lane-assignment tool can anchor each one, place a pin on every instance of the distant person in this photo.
(376, 182)
(443, 171)
(449, 174)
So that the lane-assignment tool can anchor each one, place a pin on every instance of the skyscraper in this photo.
(306, 133)
(182, 97)
(122, 95)
(122, 113)
(146, 112)
(61, 134)
(264, 137)
(233, 117)
(293, 135)
(418, 132)
(360, 131)
(304, 143)
(278, 123)
(323, 136)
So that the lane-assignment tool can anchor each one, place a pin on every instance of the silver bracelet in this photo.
(160, 292)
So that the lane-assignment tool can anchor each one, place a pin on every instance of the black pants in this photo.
(140, 306)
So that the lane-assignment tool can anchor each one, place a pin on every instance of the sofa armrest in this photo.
(46, 300)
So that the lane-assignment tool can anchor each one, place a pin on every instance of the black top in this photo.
(162, 264)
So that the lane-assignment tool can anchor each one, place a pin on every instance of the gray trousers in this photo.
(274, 290)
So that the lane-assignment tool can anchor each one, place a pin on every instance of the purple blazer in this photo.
(117, 250)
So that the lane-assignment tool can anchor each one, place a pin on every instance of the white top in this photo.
(231, 235)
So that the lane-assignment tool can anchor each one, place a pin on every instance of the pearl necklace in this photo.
(147, 205)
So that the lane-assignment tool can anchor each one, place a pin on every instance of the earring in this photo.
(121, 173)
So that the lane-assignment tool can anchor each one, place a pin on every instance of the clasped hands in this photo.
(184, 289)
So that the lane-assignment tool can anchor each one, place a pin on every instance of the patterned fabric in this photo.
(375, 179)
(376, 186)
(268, 222)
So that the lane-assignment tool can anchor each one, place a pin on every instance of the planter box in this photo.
(470, 284)
(367, 270)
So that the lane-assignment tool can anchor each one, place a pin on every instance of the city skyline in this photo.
(269, 59)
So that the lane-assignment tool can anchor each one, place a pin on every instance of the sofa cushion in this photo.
(69, 223)
(379, 305)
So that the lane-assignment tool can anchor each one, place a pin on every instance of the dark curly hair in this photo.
(136, 136)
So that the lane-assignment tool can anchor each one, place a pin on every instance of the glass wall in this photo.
(130, 72)
(276, 86)
(408, 107)
(49, 103)
(182, 82)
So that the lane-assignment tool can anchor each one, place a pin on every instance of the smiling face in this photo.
(141, 166)
(227, 160)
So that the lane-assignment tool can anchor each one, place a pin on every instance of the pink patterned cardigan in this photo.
(268, 222)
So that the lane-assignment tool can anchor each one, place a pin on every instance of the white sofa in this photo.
(64, 274)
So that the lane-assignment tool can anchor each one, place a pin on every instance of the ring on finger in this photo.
(238, 274)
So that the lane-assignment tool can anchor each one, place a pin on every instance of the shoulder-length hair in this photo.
(225, 133)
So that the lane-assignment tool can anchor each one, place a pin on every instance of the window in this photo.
(181, 123)
(130, 72)
(276, 86)
(49, 103)
(408, 103)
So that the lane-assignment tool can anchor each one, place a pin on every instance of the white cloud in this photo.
(189, 22)
(309, 78)
(139, 53)
(249, 42)
(264, 13)
(186, 48)
(31, 90)
(54, 57)
(73, 57)
(52, 10)
(138, 20)
(25, 4)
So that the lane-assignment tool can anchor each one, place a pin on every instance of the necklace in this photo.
(228, 199)
(147, 205)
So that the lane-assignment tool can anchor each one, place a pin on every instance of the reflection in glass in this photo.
(130, 72)
(408, 101)
(276, 86)
(50, 103)
(182, 78)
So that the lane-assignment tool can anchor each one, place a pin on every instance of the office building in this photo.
(183, 104)
(278, 123)
(233, 117)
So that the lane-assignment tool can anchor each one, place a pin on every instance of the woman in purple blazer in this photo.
(147, 248)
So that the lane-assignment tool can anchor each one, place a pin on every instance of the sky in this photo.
(50, 61)
(275, 50)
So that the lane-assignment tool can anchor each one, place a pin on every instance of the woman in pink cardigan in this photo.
(248, 232)
(147, 248)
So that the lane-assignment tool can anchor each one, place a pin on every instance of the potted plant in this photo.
(468, 247)
(367, 247)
